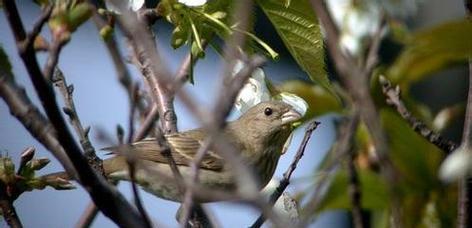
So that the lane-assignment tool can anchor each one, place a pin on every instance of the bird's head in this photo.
(267, 121)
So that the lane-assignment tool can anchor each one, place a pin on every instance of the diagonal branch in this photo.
(67, 90)
(355, 78)
(393, 98)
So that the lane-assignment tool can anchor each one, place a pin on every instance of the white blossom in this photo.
(457, 165)
(295, 101)
(192, 3)
(116, 5)
(360, 19)
(254, 91)
(355, 22)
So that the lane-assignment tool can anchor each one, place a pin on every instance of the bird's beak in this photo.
(290, 116)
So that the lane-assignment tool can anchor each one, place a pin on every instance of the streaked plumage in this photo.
(259, 136)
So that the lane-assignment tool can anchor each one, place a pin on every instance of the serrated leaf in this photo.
(431, 50)
(319, 100)
(300, 32)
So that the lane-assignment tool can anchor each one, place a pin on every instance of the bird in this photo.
(258, 136)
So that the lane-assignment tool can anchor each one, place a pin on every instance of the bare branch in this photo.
(34, 121)
(67, 90)
(393, 99)
(38, 25)
(54, 51)
(288, 174)
(137, 197)
(464, 218)
(187, 203)
(354, 188)
(87, 216)
(7, 208)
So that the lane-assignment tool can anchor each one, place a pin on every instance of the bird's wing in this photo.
(184, 148)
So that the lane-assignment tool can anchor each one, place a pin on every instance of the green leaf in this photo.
(299, 30)
(196, 37)
(5, 66)
(319, 100)
(180, 35)
(272, 54)
(431, 50)
(79, 14)
(415, 159)
(373, 187)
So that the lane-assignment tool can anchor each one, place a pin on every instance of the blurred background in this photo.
(102, 104)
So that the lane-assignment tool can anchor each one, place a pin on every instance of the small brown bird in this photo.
(259, 135)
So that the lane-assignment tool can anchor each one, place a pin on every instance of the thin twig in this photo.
(372, 55)
(152, 67)
(37, 27)
(7, 208)
(288, 174)
(354, 185)
(137, 197)
(33, 120)
(53, 58)
(87, 216)
(106, 198)
(187, 203)
(67, 91)
(355, 78)
(340, 151)
(393, 98)
(147, 124)
(464, 219)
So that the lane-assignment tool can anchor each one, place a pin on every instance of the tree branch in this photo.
(393, 98)
(106, 198)
(354, 185)
(67, 90)
(355, 79)
(464, 219)
(7, 208)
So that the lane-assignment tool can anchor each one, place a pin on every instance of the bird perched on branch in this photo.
(258, 135)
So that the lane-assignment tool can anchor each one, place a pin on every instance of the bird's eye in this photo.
(268, 111)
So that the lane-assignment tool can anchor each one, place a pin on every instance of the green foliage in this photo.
(25, 179)
(67, 17)
(300, 32)
(431, 50)
(373, 187)
(319, 100)
(415, 159)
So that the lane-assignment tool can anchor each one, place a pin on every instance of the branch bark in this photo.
(464, 218)
(7, 208)
(106, 197)
(393, 98)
